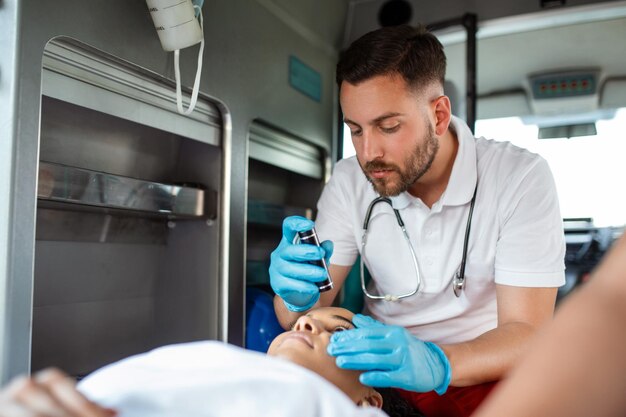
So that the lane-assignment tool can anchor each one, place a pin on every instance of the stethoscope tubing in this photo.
(458, 282)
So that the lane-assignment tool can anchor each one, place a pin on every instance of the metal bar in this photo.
(15, 234)
(65, 184)
(231, 316)
(470, 22)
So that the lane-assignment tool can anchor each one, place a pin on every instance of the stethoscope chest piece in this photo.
(458, 284)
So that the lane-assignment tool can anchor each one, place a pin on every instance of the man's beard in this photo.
(416, 165)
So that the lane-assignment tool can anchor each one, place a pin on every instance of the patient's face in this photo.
(306, 345)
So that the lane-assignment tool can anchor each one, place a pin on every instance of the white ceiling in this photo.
(517, 38)
(321, 22)
(363, 14)
(504, 62)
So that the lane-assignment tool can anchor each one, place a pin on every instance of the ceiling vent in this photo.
(567, 131)
(564, 92)
(566, 103)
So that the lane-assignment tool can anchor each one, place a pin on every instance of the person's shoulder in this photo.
(348, 186)
(348, 173)
(348, 167)
(504, 148)
(505, 156)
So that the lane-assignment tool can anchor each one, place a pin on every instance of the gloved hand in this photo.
(391, 357)
(291, 277)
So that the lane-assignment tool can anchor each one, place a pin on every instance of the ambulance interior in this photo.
(101, 262)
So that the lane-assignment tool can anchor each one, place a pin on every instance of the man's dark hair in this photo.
(413, 53)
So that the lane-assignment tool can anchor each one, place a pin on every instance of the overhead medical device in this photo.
(177, 26)
(458, 282)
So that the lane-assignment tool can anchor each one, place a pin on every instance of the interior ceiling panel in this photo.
(504, 62)
(363, 14)
(517, 38)
(323, 19)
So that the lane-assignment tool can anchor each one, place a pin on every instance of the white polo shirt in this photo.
(516, 237)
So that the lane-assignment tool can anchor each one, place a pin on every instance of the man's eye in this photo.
(355, 132)
(390, 129)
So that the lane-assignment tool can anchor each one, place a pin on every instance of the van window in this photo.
(348, 148)
(589, 171)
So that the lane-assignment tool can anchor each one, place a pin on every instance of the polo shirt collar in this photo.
(402, 200)
(464, 174)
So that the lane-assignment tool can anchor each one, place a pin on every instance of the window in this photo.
(348, 148)
(589, 171)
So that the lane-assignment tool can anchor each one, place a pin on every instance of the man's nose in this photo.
(370, 149)
(307, 324)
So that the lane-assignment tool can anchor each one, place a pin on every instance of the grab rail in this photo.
(72, 185)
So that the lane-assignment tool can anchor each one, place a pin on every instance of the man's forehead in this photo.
(393, 84)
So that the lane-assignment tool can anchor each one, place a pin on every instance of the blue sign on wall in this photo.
(305, 79)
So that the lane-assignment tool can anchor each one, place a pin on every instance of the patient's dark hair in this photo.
(396, 406)
(413, 53)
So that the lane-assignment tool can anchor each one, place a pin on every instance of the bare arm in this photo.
(521, 310)
(49, 393)
(286, 318)
(577, 365)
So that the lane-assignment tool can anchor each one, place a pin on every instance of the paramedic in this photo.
(446, 343)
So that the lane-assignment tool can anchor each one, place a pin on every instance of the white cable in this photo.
(196, 83)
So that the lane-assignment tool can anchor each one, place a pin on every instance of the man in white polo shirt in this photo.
(451, 327)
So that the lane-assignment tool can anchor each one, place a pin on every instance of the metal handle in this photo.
(66, 184)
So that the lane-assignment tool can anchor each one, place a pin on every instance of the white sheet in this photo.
(204, 379)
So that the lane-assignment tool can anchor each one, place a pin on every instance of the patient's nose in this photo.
(307, 324)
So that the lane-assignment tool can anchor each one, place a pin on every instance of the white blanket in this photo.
(204, 379)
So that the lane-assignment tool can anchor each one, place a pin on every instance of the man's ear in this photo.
(372, 399)
(443, 114)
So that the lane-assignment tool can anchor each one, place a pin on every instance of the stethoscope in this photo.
(458, 282)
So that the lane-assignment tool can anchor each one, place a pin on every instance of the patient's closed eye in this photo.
(339, 329)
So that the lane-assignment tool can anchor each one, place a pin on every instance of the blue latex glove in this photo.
(391, 357)
(291, 277)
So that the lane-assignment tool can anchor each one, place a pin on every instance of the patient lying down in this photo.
(210, 379)
(306, 345)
